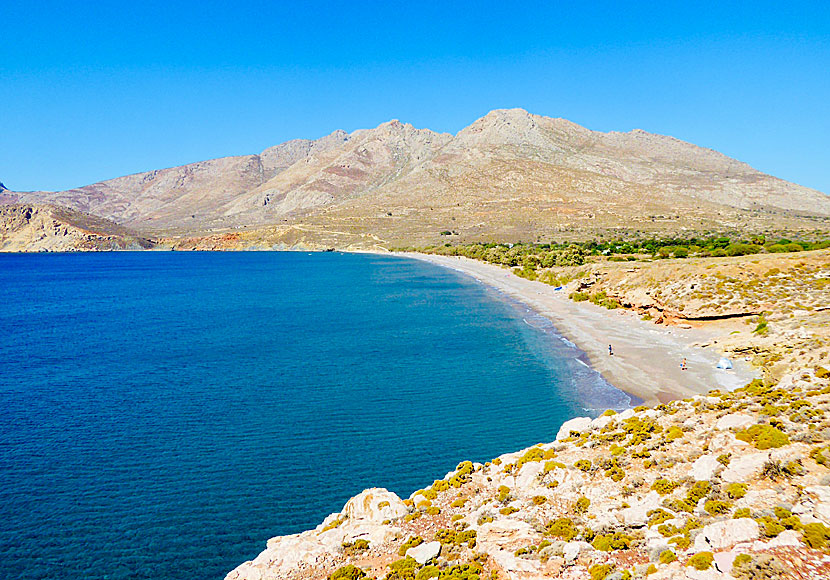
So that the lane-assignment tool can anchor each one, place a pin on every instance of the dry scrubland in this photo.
(729, 484)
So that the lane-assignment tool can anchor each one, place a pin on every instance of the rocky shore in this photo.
(728, 484)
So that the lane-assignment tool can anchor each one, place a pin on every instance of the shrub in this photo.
(615, 473)
(736, 490)
(717, 507)
(539, 499)
(583, 465)
(698, 491)
(440, 485)
(579, 296)
(667, 557)
(673, 433)
(410, 543)
(504, 493)
(816, 535)
(725, 459)
(356, 547)
(822, 373)
(664, 486)
(506, 511)
(462, 474)
(682, 542)
(741, 513)
(402, 569)
(582, 504)
(701, 561)
(562, 528)
(348, 572)
(658, 516)
(459, 503)
(428, 572)
(763, 436)
(609, 542)
(600, 571)
(821, 456)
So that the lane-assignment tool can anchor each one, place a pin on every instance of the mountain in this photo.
(44, 228)
(509, 176)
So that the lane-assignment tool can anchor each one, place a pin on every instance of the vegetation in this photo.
(701, 561)
(348, 572)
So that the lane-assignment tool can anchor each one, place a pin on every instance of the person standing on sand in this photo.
(610, 351)
(683, 365)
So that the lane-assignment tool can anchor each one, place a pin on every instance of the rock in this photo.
(602, 421)
(577, 424)
(627, 414)
(724, 560)
(742, 468)
(572, 549)
(375, 505)
(734, 421)
(637, 515)
(425, 552)
(785, 538)
(704, 468)
(723, 534)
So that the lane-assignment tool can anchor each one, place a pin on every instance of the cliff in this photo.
(719, 486)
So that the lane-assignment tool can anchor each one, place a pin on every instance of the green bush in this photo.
(356, 547)
(816, 535)
(763, 436)
(701, 561)
(410, 543)
(600, 571)
(402, 569)
(667, 557)
(579, 296)
(582, 504)
(717, 507)
(664, 486)
(428, 572)
(562, 528)
(348, 572)
(736, 490)
(583, 465)
(609, 542)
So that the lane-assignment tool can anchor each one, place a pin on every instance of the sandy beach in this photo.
(647, 357)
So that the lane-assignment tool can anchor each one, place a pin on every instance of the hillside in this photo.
(44, 228)
(509, 176)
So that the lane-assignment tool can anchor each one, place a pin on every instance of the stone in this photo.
(577, 424)
(742, 468)
(425, 552)
(571, 550)
(723, 534)
(375, 505)
(734, 421)
(704, 468)
(785, 538)
(637, 515)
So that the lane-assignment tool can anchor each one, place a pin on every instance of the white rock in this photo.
(722, 534)
(704, 468)
(572, 549)
(627, 414)
(578, 424)
(724, 560)
(602, 421)
(710, 574)
(637, 514)
(785, 538)
(742, 468)
(734, 421)
(424, 552)
(375, 505)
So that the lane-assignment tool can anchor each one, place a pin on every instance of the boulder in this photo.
(425, 552)
(577, 424)
(742, 468)
(637, 515)
(704, 468)
(723, 534)
(734, 421)
(375, 505)
(571, 550)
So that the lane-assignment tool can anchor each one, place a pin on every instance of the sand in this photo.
(647, 357)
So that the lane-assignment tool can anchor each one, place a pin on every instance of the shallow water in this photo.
(163, 414)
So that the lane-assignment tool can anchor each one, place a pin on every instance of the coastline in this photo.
(646, 360)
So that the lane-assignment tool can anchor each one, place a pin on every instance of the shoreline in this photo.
(646, 360)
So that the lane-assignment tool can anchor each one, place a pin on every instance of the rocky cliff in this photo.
(44, 228)
(510, 175)
(729, 485)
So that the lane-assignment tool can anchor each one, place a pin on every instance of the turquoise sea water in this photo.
(163, 414)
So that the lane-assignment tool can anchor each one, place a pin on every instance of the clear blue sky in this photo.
(96, 90)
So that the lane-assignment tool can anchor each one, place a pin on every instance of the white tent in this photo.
(724, 363)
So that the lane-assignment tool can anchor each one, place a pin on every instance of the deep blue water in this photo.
(163, 414)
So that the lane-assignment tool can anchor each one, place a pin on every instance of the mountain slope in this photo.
(509, 175)
(44, 228)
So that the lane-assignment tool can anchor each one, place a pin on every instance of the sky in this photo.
(95, 90)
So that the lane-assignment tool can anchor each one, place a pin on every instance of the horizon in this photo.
(101, 92)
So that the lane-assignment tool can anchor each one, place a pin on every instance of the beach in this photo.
(647, 357)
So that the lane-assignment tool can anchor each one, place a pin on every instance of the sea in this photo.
(162, 414)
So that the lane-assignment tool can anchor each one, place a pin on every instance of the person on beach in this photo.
(610, 351)
(683, 365)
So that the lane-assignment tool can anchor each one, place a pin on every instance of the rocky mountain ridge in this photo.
(509, 175)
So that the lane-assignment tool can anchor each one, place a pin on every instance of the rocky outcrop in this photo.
(34, 228)
(708, 487)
